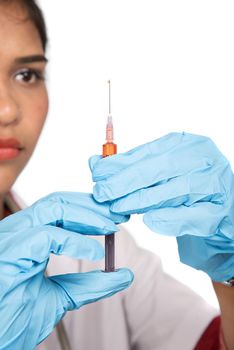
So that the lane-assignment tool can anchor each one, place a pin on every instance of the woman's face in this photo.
(23, 94)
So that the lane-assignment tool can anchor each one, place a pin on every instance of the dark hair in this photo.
(36, 16)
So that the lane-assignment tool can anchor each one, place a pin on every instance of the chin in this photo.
(7, 179)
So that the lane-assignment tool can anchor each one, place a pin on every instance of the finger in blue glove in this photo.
(31, 304)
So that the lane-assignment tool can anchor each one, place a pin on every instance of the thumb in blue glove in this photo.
(32, 304)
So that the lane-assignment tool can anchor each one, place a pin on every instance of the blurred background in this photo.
(171, 64)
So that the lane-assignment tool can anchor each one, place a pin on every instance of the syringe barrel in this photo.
(108, 149)
(110, 253)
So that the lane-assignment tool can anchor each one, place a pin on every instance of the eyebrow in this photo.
(31, 59)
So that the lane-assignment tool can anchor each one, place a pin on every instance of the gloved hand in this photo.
(32, 304)
(184, 186)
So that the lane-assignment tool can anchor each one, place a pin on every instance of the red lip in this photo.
(9, 149)
(10, 143)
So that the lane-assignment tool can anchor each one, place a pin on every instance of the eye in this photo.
(29, 76)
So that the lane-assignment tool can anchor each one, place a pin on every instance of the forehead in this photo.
(18, 34)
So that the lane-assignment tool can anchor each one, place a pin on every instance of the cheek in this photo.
(34, 118)
(33, 115)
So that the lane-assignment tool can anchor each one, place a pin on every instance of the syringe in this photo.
(108, 149)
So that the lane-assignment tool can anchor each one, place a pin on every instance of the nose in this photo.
(9, 108)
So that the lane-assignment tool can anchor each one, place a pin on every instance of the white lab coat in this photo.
(155, 313)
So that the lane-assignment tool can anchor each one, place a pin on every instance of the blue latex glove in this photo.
(32, 304)
(184, 186)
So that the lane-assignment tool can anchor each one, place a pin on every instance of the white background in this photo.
(171, 64)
